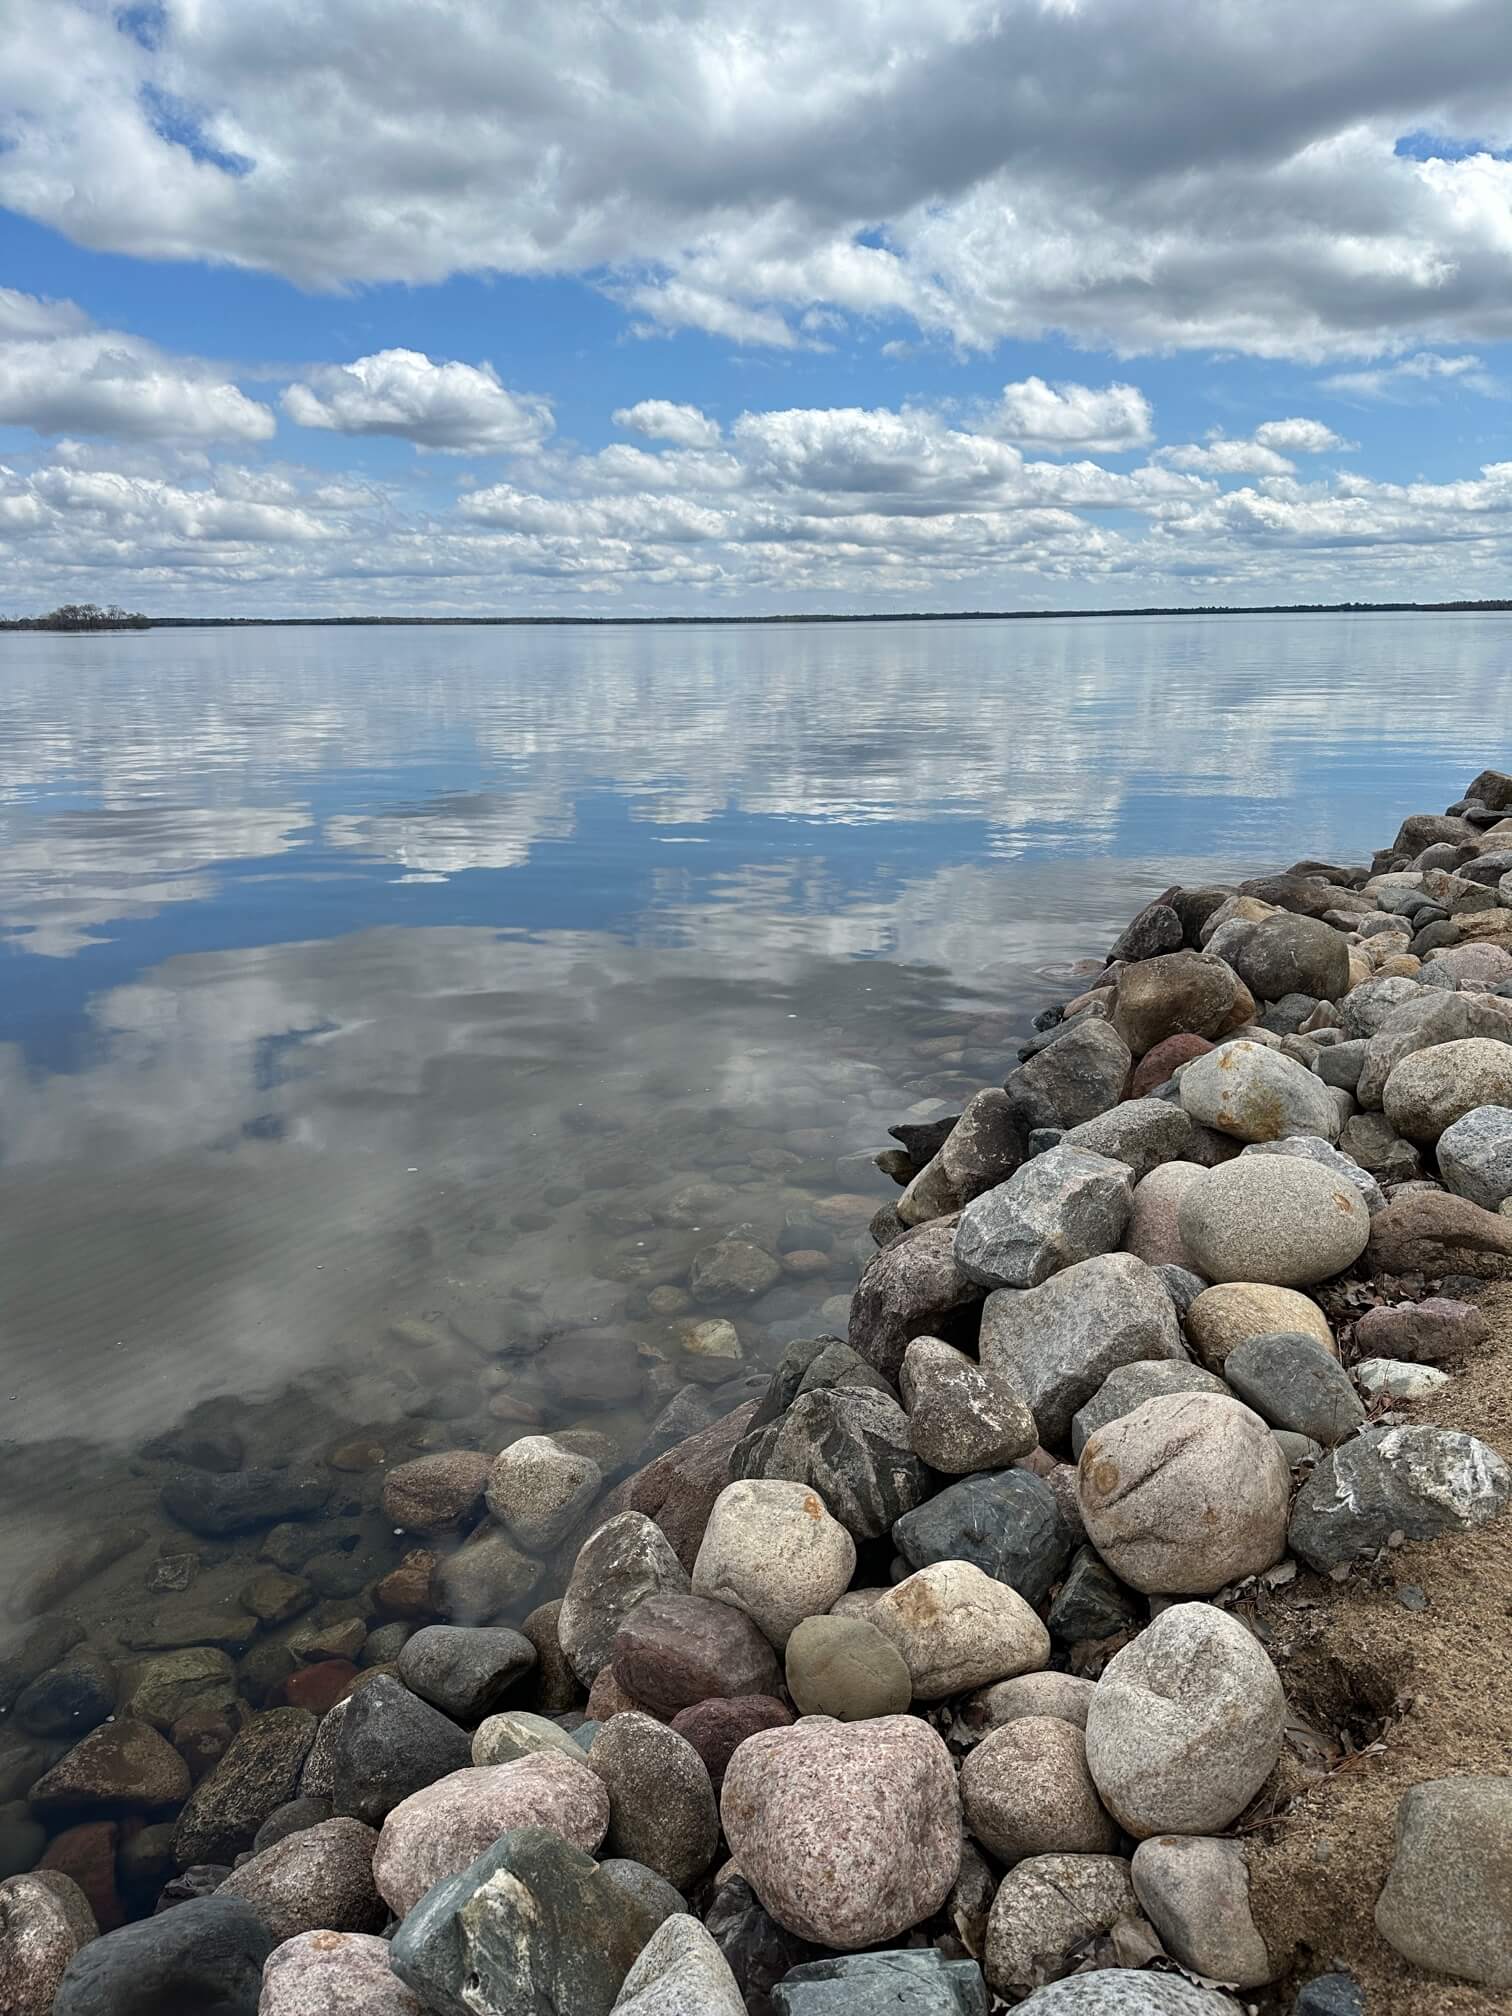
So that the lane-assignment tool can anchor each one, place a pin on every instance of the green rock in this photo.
(173, 1684)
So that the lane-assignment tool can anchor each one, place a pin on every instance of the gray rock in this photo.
(1340, 1064)
(1118, 1993)
(1275, 1220)
(48, 1640)
(317, 1880)
(1430, 1020)
(1447, 1902)
(44, 1921)
(1046, 1909)
(1058, 1342)
(1195, 1892)
(661, 1803)
(1157, 928)
(334, 1974)
(1061, 1208)
(1330, 1995)
(538, 1490)
(235, 1503)
(1475, 1156)
(1042, 1693)
(487, 1577)
(906, 1291)
(849, 1445)
(205, 1955)
(731, 1270)
(1129, 1386)
(386, 1745)
(1313, 1148)
(291, 1818)
(1183, 1287)
(1297, 1448)
(1431, 1089)
(680, 1972)
(258, 1774)
(984, 1147)
(1397, 1379)
(1080, 1074)
(1293, 1383)
(71, 1698)
(1091, 1602)
(466, 1673)
(1008, 1523)
(960, 1417)
(1367, 1009)
(918, 1981)
(1256, 1094)
(1370, 1140)
(1281, 955)
(1417, 1481)
(846, 1668)
(761, 1952)
(617, 1567)
(1141, 1133)
(518, 1733)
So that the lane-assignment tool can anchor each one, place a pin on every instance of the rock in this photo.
(1438, 1331)
(1118, 1993)
(849, 1833)
(984, 1147)
(518, 1733)
(1417, 1481)
(1195, 1892)
(1026, 1790)
(1044, 1693)
(1185, 1726)
(1393, 1379)
(1153, 1234)
(1064, 1206)
(772, 1550)
(1185, 1495)
(1367, 1009)
(1178, 994)
(1447, 1902)
(1431, 1232)
(591, 1369)
(1475, 1156)
(465, 1673)
(1313, 1148)
(1079, 1074)
(118, 1767)
(259, 1773)
(1129, 1386)
(1433, 1019)
(760, 1952)
(958, 1629)
(845, 1668)
(556, 1685)
(619, 1566)
(1429, 1090)
(437, 1494)
(383, 1744)
(1045, 1910)
(717, 1728)
(291, 1818)
(1256, 1094)
(1286, 954)
(918, 1981)
(673, 1651)
(732, 1270)
(662, 1809)
(1293, 1383)
(848, 1444)
(1235, 1311)
(216, 1505)
(537, 1490)
(535, 1923)
(48, 1640)
(1274, 1219)
(1156, 929)
(486, 1577)
(1340, 1066)
(1158, 1065)
(1366, 1138)
(320, 1880)
(679, 1488)
(205, 1955)
(1091, 1603)
(274, 1597)
(1297, 1448)
(71, 1698)
(1058, 1342)
(680, 1972)
(961, 1418)
(906, 1291)
(1008, 1523)
(1141, 1133)
(1481, 965)
(441, 1829)
(42, 1927)
(334, 1974)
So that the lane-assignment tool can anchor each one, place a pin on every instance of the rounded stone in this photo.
(772, 1550)
(1230, 1314)
(1129, 1386)
(1256, 1094)
(465, 1671)
(1153, 1234)
(1295, 1385)
(1447, 1901)
(960, 1418)
(334, 1974)
(320, 1879)
(1106, 1992)
(537, 1490)
(1046, 1909)
(436, 1494)
(1274, 1219)
(717, 1728)
(661, 1802)
(1475, 1156)
(844, 1667)
(672, 1651)
(207, 1953)
(501, 1739)
(42, 1926)
(1185, 1725)
(628, 1559)
(958, 1629)
(1064, 1695)
(1430, 1089)
(1026, 1790)
(1178, 994)
(1195, 1892)
(849, 1833)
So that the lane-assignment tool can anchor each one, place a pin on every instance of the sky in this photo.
(682, 307)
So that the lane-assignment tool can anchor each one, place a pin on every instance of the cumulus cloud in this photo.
(1055, 418)
(460, 409)
(59, 374)
(1147, 179)
(1407, 379)
(663, 420)
(1301, 437)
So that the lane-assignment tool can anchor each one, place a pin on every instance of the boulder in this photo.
(1274, 1219)
(1058, 1342)
(1157, 1066)
(678, 1488)
(1428, 1022)
(1185, 1495)
(772, 1550)
(673, 1651)
(1091, 1603)
(1026, 1790)
(1185, 1726)
(1475, 1156)
(1129, 1386)
(1064, 1206)
(1046, 1909)
(847, 1443)
(1418, 1481)
(1141, 1133)
(845, 1668)
(1153, 1233)
(1313, 1148)
(1256, 1094)
(537, 1490)
(1080, 1073)
(1157, 928)
(1447, 1901)
(1430, 1089)
(1432, 1232)
(334, 1974)
(1227, 1315)
(661, 1804)
(619, 1566)
(1293, 1383)
(717, 1728)
(1008, 1523)
(962, 1418)
(918, 1980)
(849, 1833)
(1178, 994)
(206, 1954)
(906, 1291)
(381, 1745)
(1286, 954)
(317, 1880)
(1195, 1892)
(1122, 1993)
(487, 1577)
(466, 1673)
(984, 1147)
(680, 1972)
(958, 1629)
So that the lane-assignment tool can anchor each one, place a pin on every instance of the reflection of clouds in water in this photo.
(476, 830)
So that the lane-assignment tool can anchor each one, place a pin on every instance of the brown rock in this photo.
(320, 1686)
(121, 1766)
(556, 1685)
(437, 1494)
(1437, 1331)
(1179, 994)
(673, 1651)
(404, 1593)
(606, 1697)
(1026, 1790)
(1236, 1311)
(678, 1490)
(906, 1291)
(1432, 1232)
(1156, 1066)
(258, 1774)
(87, 1856)
(717, 1728)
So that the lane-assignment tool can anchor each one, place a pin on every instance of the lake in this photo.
(388, 1018)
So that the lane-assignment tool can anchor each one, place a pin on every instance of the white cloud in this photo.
(663, 420)
(461, 409)
(1055, 418)
(1148, 179)
(1301, 437)
(1407, 379)
(1220, 456)
(61, 375)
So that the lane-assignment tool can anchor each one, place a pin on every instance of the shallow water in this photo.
(387, 1016)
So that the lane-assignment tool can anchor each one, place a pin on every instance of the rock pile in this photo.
(911, 1679)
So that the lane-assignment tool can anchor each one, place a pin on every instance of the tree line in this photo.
(74, 616)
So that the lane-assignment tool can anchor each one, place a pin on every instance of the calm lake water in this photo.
(387, 1018)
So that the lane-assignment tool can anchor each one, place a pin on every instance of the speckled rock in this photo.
(465, 1672)
(1109, 1993)
(258, 1774)
(1141, 1133)
(680, 1972)
(1063, 1207)
(717, 1728)
(519, 1733)
(850, 1444)
(1026, 1790)
(1447, 1902)
(1129, 1386)
(320, 1879)
(1008, 1523)
(662, 1810)
(1293, 1383)
(1475, 1156)
(1274, 1219)
(119, 1766)
(1195, 1892)
(334, 1974)
(906, 1291)
(1431, 1089)
(1419, 1481)
(1185, 1726)
(437, 1494)
(915, 1980)
(772, 1550)
(537, 1490)
(1080, 1072)
(1256, 1094)
(1153, 1233)
(619, 1566)
(960, 1417)
(1045, 1909)
(844, 1667)
(1235, 1311)
(849, 1833)
(1045, 1693)
(381, 1745)
(1284, 954)
(1433, 1232)
(1313, 1148)
(206, 1954)
(672, 1651)
(1436, 1331)
(958, 1629)
(1179, 994)
(43, 1924)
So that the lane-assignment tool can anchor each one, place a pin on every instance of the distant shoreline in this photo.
(769, 621)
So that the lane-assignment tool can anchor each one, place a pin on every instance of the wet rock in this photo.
(906, 1291)
(772, 1550)
(849, 1833)
(259, 1773)
(732, 1270)
(1447, 1902)
(1293, 1383)
(960, 1417)
(1274, 1219)
(181, 1627)
(661, 1803)
(1046, 1909)
(1432, 1232)
(118, 1767)
(1312, 1148)
(591, 1369)
(958, 1629)
(1129, 1386)
(320, 1879)
(437, 1494)
(273, 1597)
(1178, 994)
(1153, 1234)
(164, 1689)
(71, 1698)
(1195, 1892)
(1058, 1342)
(1026, 1790)
(1008, 1523)
(537, 1490)
(851, 1446)
(1079, 1074)
(845, 1668)
(443, 1828)
(918, 1980)
(1256, 1094)
(206, 1954)
(717, 1727)
(386, 1745)
(1063, 1207)
(44, 1645)
(486, 1578)
(556, 1685)
(1475, 1156)
(680, 1972)
(334, 1974)
(1185, 1495)
(465, 1673)
(1185, 1725)
(1091, 1602)
(618, 1567)
(1418, 1481)
(1438, 1331)
(1228, 1315)
(237, 1501)
(673, 1651)
(42, 1927)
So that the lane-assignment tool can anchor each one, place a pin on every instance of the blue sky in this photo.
(641, 308)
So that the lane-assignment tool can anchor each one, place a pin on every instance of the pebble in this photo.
(958, 1629)
(674, 1651)
(334, 1974)
(661, 1803)
(1256, 1094)
(1046, 1908)
(844, 1667)
(538, 1490)
(1419, 1481)
(1273, 1219)
(1063, 1207)
(1195, 1892)
(320, 1879)
(466, 1673)
(204, 1954)
(961, 1418)
(1447, 1901)
(1294, 1384)
(680, 1972)
(1229, 1314)
(772, 1550)
(619, 1566)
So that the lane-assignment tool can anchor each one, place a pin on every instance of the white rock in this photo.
(958, 1628)
(772, 1549)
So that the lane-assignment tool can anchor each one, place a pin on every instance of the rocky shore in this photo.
(977, 1659)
